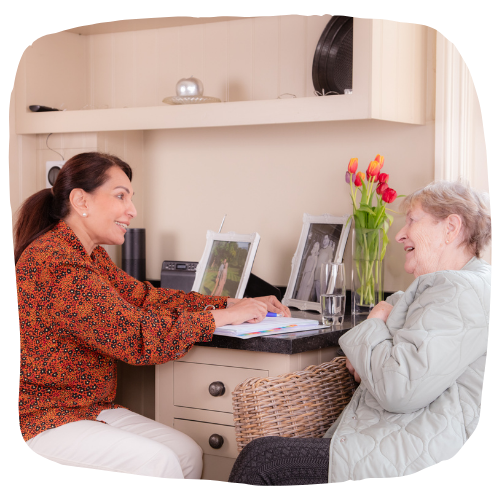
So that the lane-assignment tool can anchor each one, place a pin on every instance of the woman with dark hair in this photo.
(79, 313)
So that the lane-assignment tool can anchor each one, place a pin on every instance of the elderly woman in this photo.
(79, 313)
(420, 358)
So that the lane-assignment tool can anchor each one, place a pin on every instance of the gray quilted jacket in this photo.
(422, 375)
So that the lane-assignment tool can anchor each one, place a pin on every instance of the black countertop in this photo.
(286, 343)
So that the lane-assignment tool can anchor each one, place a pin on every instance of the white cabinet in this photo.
(184, 402)
(389, 79)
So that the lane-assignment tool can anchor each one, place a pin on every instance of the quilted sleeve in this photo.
(433, 333)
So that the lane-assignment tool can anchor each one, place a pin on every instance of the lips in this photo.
(409, 248)
(122, 225)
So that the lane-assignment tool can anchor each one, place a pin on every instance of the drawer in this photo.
(201, 432)
(192, 380)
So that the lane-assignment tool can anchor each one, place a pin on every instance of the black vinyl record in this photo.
(332, 64)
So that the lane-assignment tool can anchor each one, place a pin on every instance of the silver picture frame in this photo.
(312, 250)
(226, 263)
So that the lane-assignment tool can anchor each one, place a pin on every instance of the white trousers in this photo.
(128, 442)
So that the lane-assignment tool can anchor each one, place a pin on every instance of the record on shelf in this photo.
(332, 63)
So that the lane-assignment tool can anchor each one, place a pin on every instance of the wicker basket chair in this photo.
(304, 403)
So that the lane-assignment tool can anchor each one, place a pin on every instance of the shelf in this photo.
(279, 111)
(389, 82)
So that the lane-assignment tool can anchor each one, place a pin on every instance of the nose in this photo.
(401, 235)
(131, 211)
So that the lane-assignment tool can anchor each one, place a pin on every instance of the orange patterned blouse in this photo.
(77, 315)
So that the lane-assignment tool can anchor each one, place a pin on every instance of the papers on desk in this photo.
(269, 326)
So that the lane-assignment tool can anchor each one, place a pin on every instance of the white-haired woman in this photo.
(420, 358)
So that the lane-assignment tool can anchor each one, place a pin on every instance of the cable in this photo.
(47, 144)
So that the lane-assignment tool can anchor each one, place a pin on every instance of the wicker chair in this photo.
(299, 404)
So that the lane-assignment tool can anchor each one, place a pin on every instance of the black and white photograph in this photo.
(322, 240)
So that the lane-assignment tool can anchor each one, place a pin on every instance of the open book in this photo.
(268, 326)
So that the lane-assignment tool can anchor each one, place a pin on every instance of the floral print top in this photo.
(78, 314)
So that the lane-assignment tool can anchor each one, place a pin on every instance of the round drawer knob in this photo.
(216, 389)
(216, 441)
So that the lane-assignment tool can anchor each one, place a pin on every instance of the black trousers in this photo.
(282, 461)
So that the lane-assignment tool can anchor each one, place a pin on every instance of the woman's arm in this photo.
(425, 346)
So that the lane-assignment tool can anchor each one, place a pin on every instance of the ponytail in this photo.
(43, 210)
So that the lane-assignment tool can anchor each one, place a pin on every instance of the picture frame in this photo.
(312, 250)
(226, 264)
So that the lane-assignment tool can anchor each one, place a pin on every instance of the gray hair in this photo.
(443, 198)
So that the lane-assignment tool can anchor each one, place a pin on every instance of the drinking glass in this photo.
(332, 290)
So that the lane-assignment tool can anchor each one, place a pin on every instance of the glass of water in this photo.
(332, 289)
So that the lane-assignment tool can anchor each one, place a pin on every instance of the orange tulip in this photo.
(373, 169)
(353, 165)
(360, 177)
(380, 159)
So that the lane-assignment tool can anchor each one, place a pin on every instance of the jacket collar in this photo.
(63, 231)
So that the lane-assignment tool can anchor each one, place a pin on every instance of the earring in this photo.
(447, 241)
(84, 214)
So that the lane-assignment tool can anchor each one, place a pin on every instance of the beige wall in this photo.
(263, 177)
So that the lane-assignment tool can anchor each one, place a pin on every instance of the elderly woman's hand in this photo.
(381, 311)
(352, 371)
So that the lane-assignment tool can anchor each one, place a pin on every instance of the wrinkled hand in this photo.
(381, 311)
(274, 305)
(352, 371)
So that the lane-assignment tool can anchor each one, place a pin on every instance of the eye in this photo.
(121, 196)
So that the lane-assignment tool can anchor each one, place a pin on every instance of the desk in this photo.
(183, 400)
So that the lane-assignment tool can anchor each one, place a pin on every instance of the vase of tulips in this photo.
(370, 193)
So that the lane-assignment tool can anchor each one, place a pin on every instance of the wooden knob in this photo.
(216, 389)
(216, 441)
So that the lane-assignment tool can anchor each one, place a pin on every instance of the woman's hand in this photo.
(240, 310)
(275, 306)
(352, 371)
(381, 311)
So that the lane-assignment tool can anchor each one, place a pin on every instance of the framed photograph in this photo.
(323, 239)
(226, 264)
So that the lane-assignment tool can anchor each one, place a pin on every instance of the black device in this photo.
(180, 275)
(134, 253)
(38, 109)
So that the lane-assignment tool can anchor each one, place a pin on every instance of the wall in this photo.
(263, 177)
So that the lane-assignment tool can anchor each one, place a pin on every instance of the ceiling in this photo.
(146, 24)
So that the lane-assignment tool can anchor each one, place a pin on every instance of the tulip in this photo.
(380, 159)
(349, 177)
(360, 177)
(383, 177)
(389, 195)
(353, 165)
(382, 187)
(373, 169)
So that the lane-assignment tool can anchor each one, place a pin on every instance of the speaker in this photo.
(51, 170)
(134, 253)
(178, 275)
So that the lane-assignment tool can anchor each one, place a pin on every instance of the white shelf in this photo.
(279, 111)
(388, 84)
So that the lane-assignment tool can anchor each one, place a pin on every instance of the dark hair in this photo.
(43, 210)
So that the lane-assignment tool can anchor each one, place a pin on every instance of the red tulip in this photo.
(389, 195)
(383, 177)
(373, 169)
(382, 187)
(353, 165)
(360, 177)
(380, 159)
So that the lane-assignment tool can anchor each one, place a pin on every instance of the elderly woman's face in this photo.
(424, 240)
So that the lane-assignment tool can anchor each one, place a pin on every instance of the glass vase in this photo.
(367, 272)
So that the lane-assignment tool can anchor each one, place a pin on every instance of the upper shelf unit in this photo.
(389, 77)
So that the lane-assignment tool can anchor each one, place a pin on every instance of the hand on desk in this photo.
(251, 310)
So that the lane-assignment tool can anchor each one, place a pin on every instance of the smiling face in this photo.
(110, 209)
(424, 240)
(326, 241)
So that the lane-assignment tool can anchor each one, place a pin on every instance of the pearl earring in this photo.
(84, 214)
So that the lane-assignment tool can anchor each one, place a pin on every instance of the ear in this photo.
(78, 201)
(453, 227)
